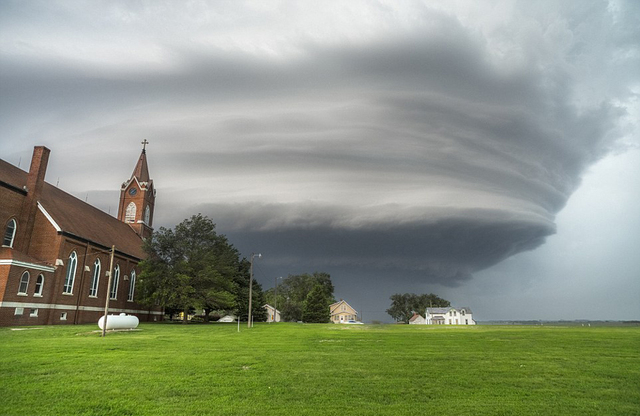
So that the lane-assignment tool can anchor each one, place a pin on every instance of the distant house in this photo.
(342, 312)
(417, 319)
(273, 315)
(449, 316)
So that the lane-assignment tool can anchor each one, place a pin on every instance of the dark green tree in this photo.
(403, 306)
(189, 267)
(316, 306)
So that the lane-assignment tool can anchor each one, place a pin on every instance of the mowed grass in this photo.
(294, 369)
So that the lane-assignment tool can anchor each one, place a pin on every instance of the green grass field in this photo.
(294, 369)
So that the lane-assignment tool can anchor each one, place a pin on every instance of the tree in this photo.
(293, 292)
(189, 267)
(403, 306)
(258, 313)
(316, 306)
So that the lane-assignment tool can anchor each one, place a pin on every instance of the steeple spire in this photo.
(141, 171)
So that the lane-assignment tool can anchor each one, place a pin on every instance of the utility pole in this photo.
(106, 304)
(251, 287)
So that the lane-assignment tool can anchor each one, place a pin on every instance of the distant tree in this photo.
(293, 292)
(189, 267)
(403, 306)
(316, 306)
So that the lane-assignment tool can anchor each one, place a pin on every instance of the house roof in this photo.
(447, 309)
(77, 218)
(415, 316)
(269, 307)
(335, 305)
(439, 310)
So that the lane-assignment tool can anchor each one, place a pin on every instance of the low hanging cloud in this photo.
(425, 143)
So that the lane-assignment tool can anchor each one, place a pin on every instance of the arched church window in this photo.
(95, 279)
(130, 215)
(114, 283)
(24, 284)
(39, 286)
(147, 215)
(132, 285)
(9, 233)
(70, 276)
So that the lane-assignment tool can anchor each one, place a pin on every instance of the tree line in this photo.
(192, 267)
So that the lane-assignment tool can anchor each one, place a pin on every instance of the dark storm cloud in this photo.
(439, 248)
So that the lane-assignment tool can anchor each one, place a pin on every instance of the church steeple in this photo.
(141, 171)
(137, 197)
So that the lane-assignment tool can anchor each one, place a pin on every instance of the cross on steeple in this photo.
(144, 145)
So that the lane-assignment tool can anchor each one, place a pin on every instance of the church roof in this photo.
(141, 171)
(77, 218)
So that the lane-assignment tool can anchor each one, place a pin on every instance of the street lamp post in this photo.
(251, 287)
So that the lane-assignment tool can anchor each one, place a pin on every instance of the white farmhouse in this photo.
(449, 316)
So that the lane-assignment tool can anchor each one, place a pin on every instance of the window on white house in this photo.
(114, 283)
(130, 213)
(95, 279)
(9, 233)
(24, 284)
(70, 277)
(39, 286)
(132, 286)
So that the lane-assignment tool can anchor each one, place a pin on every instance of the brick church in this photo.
(56, 248)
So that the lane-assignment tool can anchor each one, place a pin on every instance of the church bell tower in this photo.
(137, 198)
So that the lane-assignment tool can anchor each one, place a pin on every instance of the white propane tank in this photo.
(122, 321)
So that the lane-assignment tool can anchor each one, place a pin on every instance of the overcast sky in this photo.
(487, 152)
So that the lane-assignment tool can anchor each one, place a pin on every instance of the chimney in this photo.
(38, 169)
(35, 182)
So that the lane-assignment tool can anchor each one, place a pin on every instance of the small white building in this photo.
(449, 316)
(273, 315)
(417, 319)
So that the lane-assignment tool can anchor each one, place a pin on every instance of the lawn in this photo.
(295, 369)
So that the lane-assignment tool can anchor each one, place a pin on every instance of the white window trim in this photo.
(97, 267)
(132, 286)
(115, 282)
(13, 234)
(39, 294)
(72, 279)
(20, 293)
